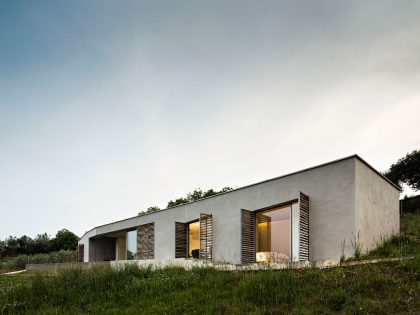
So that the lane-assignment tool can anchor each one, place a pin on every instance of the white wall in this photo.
(377, 207)
(331, 190)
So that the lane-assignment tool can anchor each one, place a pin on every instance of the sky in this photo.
(109, 107)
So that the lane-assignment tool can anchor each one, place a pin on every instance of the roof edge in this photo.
(261, 182)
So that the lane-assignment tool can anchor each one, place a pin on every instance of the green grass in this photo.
(19, 262)
(383, 288)
(407, 243)
(369, 289)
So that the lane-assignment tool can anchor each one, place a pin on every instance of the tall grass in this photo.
(379, 289)
(406, 243)
(19, 262)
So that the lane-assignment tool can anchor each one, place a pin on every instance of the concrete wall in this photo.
(56, 267)
(331, 189)
(102, 249)
(377, 207)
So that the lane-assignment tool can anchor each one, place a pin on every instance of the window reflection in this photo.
(273, 234)
(132, 245)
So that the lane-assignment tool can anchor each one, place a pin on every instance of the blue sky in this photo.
(108, 107)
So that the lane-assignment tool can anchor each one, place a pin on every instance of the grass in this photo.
(384, 288)
(19, 262)
(407, 243)
(369, 289)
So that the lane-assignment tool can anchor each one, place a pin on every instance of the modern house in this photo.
(318, 213)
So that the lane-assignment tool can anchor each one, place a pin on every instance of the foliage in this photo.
(64, 240)
(387, 288)
(406, 243)
(19, 262)
(197, 194)
(406, 170)
(150, 210)
(383, 288)
(41, 244)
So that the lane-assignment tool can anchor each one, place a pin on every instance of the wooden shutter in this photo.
(81, 253)
(180, 240)
(146, 241)
(304, 227)
(248, 236)
(206, 236)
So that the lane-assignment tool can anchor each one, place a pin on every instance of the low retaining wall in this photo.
(55, 267)
(193, 263)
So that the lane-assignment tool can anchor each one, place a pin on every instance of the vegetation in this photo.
(41, 244)
(197, 194)
(387, 288)
(406, 170)
(407, 243)
(383, 288)
(19, 262)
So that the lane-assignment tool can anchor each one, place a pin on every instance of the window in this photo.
(194, 239)
(277, 234)
(132, 245)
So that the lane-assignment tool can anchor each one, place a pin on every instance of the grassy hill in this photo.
(383, 288)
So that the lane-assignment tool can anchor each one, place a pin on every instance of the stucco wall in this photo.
(377, 207)
(331, 189)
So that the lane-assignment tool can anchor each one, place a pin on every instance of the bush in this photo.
(19, 262)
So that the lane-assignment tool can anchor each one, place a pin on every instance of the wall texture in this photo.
(331, 190)
(377, 207)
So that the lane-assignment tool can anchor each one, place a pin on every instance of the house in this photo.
(323, 212)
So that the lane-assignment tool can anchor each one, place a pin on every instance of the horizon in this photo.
(110, 107)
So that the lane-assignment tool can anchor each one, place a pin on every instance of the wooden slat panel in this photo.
(206, 236)
(248, 236)
(180, 240)
(146, 241)
(81, 252)
(304, 227)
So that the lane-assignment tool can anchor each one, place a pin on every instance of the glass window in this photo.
(194, 239)
(132, 245)
(273, 235)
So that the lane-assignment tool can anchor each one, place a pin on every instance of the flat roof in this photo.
(261, 182)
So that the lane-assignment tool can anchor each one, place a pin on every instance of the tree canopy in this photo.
(406, 171)
(192, 196)
(41, 244)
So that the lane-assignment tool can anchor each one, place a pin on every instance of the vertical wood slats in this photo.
(81, 252)
(206, 236)
(304, 227)
(146, 241)
(248, 236)
(180, 240)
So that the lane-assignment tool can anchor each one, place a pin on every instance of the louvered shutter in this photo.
(180, 240)
(304, 226)
(206, 236)
(248, 236)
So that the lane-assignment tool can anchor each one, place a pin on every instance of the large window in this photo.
(277, 235)
(132, 245)
(194, 239)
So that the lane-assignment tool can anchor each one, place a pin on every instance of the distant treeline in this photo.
(41, 244)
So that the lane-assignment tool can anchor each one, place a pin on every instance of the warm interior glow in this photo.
(193, 239)
(273, 235)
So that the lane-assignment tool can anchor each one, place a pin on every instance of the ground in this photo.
(384, 288)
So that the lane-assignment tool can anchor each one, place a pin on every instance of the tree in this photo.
(406, 171)
(197, 194)
(150, 210)
(64, 240)
(41, 244)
